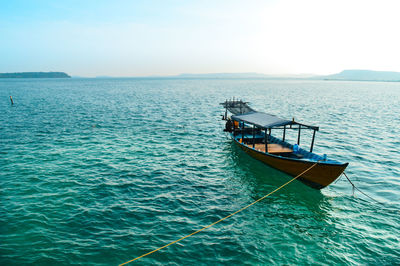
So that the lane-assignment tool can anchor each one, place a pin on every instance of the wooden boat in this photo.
(251, 130)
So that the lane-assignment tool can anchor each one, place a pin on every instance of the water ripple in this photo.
(137, 163)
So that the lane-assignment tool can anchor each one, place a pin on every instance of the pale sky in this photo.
(141, 38)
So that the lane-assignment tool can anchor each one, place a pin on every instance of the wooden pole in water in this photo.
(11, 99)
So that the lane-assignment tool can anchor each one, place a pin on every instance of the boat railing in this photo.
(304, 153)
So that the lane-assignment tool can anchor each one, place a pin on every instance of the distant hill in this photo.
(364, 75)
(35, 75)
(242, 75)
(223, 75)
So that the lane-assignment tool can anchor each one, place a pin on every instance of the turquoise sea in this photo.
(100, 171)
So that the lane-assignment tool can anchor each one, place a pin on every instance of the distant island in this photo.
(345, 75)
(363, 75)
(246, 75)
(35, 75)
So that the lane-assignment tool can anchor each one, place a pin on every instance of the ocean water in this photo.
(100, 171)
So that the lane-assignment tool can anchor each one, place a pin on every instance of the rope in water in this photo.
(354, 187)
(220, 220)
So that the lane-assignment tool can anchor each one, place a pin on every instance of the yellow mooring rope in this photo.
(226, 217)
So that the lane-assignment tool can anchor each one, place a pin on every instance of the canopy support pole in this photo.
(312, 142)
(226, 113)
(242, 131)
(284, 133)
(266, 141)
(298, 137)
(254, 137)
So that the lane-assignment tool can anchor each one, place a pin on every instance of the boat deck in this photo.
(272, 148)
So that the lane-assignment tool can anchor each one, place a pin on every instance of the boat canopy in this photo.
(237, 107)
(264, 120)
(243, 112)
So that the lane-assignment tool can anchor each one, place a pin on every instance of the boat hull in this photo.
(317, 177)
